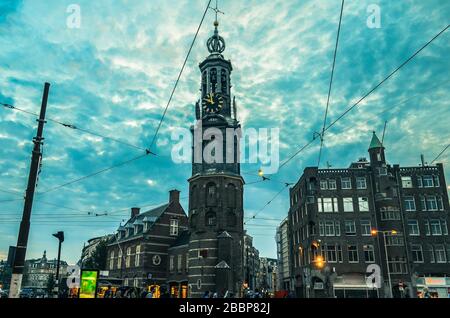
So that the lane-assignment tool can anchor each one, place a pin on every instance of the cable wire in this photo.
(330, 86)
(366, 95)
(179, 75)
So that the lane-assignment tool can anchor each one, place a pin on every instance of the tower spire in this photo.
(216, 44)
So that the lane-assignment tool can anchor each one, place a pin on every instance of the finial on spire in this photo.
(216, 44)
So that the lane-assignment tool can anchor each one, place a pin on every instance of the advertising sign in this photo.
(88, 284)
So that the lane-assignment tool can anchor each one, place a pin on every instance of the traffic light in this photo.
(59, 236)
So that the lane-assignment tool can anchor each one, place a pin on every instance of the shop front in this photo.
(178, 289)
(353, 286)
(433, 287)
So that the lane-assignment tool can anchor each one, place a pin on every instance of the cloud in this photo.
(114, 76)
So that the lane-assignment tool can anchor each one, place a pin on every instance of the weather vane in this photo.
(216, 10)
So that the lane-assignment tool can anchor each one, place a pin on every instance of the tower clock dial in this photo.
(212, 103)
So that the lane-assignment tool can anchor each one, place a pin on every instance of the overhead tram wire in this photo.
(157, 130)
(440, 154)
(366, 95)
(267, 204)
(330, 86)
(179, 75)
(76, 127)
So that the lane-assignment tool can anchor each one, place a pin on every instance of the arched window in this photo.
(231, 218)
(211, 194)
(213, 79)
(231, 195)
(224, 81)
(194, 197)
(193, 220)
(204, 85)
(210, 218)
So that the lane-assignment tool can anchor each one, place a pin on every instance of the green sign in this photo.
(88, 284)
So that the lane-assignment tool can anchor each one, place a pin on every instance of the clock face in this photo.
(212, 103)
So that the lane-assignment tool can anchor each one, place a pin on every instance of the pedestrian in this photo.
(150, 293)
(165, 293)
(206, 294)
(108, 292)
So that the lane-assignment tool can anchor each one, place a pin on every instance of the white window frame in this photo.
(332, 184)
(413, 227)
(366, 226)
(431, 203)
(437, 226)
(369, 249)
(111, 260)
(323, 184)
(174, 226)
(348, 204)
(410, 207)
(128, 258)
(415, 250)
(329, 228)
(406, 182)
(172, 263)
(353, 251)
(440, 248)
(137, 257)
(179, 262)
(119, 259)
(361, 183)
(363, 204)
(425, 182)
(352, 226)
(347, 181)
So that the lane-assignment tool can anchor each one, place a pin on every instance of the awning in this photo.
(351, 281)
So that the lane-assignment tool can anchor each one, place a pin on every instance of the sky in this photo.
(114, 75)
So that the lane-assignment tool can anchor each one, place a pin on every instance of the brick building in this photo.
(140, 252)
(343, 220)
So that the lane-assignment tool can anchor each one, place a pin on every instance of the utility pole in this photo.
(22, 240)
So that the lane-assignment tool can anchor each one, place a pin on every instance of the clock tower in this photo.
(216, 186)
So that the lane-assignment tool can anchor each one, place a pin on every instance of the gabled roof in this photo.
(224, 234)
(222, 265)
(150, 216)
(153, 214)
(375, 143)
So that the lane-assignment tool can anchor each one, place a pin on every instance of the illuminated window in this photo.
(138, 256)
(363, 204)
(406, 182)
(348, 204)
(127, 261)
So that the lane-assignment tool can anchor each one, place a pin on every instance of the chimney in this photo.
(135, 212)
(174, 196)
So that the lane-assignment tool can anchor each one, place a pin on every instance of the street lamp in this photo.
(374, 232)
(60, 237)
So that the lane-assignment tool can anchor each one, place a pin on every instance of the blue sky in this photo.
(115, 73)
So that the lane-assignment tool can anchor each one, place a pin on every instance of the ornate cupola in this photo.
(215, 84)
